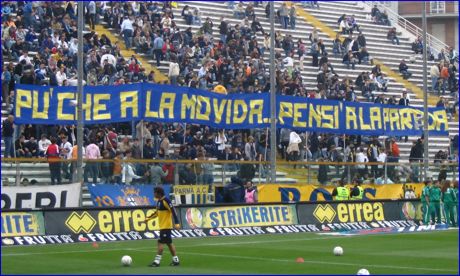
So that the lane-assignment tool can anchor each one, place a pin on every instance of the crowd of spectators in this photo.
(231, 58)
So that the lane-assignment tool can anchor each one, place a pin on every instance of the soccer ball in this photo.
(363, 271)
(126, 260)
(338, 251)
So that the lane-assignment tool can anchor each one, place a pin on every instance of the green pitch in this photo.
(413, 253)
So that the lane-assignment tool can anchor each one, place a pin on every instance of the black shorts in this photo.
(165, 236)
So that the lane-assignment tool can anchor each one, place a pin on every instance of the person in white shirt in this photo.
(73, 47)
(65, 151)
(361, 158)
(381, 158)
(220, 141)
(128, 170)
(25, 56)
(61, 76)
(43, 145)
(110, 58)
(173, 72)
(127, 30)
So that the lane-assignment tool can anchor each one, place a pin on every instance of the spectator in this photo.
(7, 135)
(392, 36)
(322, 172)
(128, 170)
(293, 150)
(173, 71)
(361, 158)
(21, 149)
(349, 59)
(376, 14)
(250, 195)
(157, 173)
(435, 74)
(223, 30)
(363, 55)
(239, 11)
(337, 47)
(106, 168)
(65, 152)
(417, 46)
(187, 15)
(404, 101)
(404, 70)
(52, 153)
(344, 25)
(415, 158)
(361, 40)
(453, 55)
(284, 15)
(444, 76)
(127, 31)
(196, 17)
(91, 14)
(256, 27)
(292, 16)
(43, 145)
(352, 23)
(314, 52)
(92, 168)
(220, 141)
(247, 171)
(158, 48)
(234, 191)
(250, 149)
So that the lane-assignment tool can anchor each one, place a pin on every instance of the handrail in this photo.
(434, 44)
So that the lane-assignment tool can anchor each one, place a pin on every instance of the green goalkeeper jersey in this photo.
(425, 193)
(435, 194)
(449, 196)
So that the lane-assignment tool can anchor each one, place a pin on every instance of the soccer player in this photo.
(425, 198)
(449, 199)
(166, 215)
(435, 198)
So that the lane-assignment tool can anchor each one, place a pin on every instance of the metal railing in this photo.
(434, 44)
(319, 172)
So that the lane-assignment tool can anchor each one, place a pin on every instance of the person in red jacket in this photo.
(169, 178)
(52, 153)
(444, 76)
(167, 49)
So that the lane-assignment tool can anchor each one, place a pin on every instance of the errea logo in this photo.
(324, 213)
(80, 223)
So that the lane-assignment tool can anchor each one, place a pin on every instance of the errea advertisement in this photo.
(357, 215)
(238, 216)
(120, 224)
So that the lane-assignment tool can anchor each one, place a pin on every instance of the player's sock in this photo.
(157, 259)
(175, 259)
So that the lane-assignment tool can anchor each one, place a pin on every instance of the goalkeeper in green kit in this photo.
(449, 198)
(425, 198)
(435, 202)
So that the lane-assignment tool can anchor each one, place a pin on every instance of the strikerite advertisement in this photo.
(238, 216)
(22, 224)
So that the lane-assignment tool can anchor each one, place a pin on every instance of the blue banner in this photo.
(168, 104)
(104, 195)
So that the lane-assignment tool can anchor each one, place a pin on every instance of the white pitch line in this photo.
(141, 248)
(312, 262)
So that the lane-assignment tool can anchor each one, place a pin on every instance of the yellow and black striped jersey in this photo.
(166, 213)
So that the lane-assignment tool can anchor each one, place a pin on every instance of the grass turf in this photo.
(410, 253)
